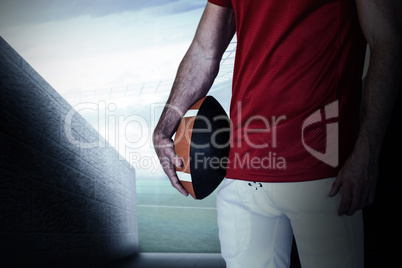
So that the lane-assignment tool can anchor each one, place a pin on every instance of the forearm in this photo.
(199, 66)
(194, 78)
(382, 26)
(382, 85)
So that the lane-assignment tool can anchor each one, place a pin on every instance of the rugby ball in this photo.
(202, 142)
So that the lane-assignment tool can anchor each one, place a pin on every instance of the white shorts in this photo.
(257, 221)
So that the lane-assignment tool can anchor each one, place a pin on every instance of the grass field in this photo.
(171, 222)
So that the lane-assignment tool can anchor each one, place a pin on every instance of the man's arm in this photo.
(194, 78)
(381, 22)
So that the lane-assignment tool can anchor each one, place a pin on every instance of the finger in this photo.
(176, 184)
(345, 201)
(336, 186)
(174, 180)
(365, 197)
(177, 161)
(170, 153)
(165, 148)
(169, 160)
(356, 201)
(171, 173)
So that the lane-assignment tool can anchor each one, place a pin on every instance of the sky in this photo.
(22, 12)
(83, 46)
(92, 44)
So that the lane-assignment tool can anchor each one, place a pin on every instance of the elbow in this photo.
(387, 43)
(387, 36)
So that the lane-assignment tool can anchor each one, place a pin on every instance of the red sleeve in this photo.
(224, 3)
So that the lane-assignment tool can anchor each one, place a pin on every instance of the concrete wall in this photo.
(59, 203)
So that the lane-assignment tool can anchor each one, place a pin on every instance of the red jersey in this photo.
(296, 88)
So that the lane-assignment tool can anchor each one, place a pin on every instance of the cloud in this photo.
(20, 12)
(176, 7)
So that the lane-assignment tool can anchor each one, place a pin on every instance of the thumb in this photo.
(336, 186)
(177, 161)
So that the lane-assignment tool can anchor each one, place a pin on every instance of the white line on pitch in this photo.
(156, 206)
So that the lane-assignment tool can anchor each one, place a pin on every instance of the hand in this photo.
(168, 159)
(357, 179)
